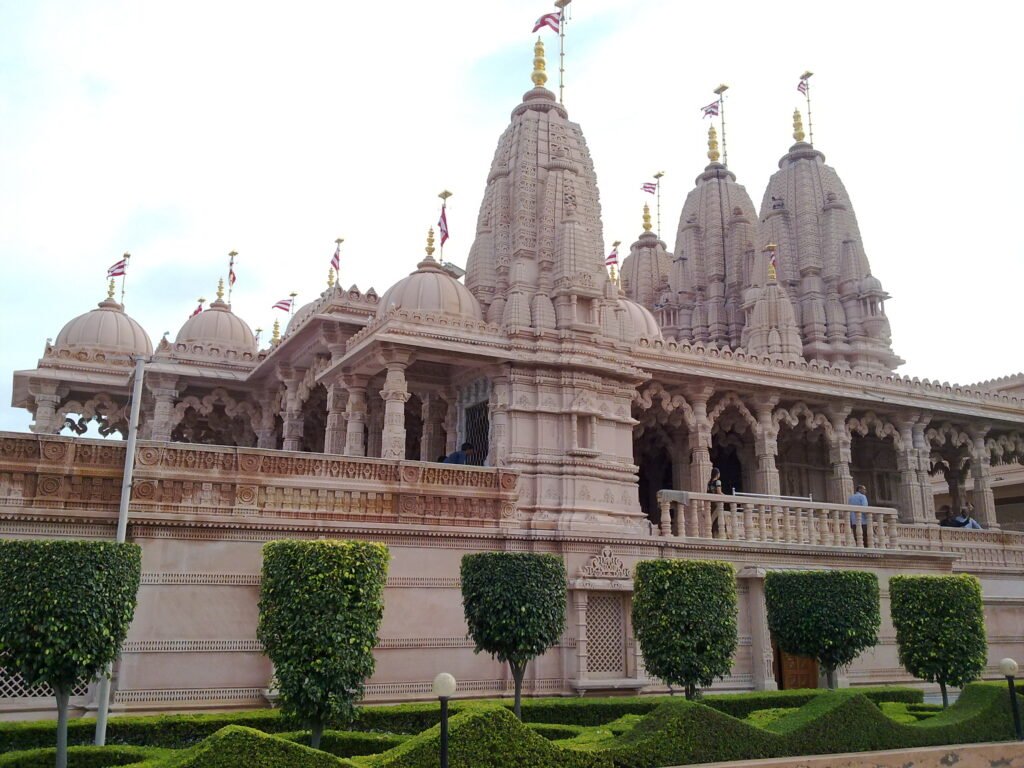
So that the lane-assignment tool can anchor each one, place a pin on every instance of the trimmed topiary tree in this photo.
(940, 628)
(515, 607)
(684, 617)
(65, 608)
(320, 606)
(832, 616)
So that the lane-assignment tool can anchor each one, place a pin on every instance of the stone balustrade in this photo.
(182, 481)
(686, 515)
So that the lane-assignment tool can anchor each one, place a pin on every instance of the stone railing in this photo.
(773, 519)
(182, 480)
(978, 550)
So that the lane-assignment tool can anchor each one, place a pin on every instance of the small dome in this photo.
(303, 313)
(106, 329)
(871, 284)
(639, 322)
(430, 289)
(218, 326)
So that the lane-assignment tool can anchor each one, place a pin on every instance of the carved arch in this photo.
(733, 399)
(792, 416)
(670, 402)
(1006, 449)
(110, 416)
(204, 406)
(872, 423)
(948, 434)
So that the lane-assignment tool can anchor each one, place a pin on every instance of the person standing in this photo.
(462, 456)
(965, 519)
(859, 499)
(715, 483)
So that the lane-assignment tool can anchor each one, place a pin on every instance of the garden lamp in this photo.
(1009, 669)
(444, 689)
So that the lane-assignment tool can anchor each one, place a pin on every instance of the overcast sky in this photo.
(180, 131)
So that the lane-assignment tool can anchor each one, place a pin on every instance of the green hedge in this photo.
(348, 743)
(178, 731)
(79, 757)
(239, 747)
(490, 737)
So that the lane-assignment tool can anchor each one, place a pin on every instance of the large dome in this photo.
(430, 289)
(218, 327)
(638, 322)
(106, 329)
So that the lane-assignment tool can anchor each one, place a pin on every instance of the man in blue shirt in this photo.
(859, 499)
(463, 456)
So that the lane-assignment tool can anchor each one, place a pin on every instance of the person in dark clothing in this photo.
(715, 483)
(462, 456)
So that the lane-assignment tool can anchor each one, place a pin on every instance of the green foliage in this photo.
(514, 603)
(80, 757)
(488, 737)
(66, 607)
(831, 616)
(320, 606)
(348, 743)
(940, 627)
(238, 747)
(761, 717)
(515, 606)
(684, 617)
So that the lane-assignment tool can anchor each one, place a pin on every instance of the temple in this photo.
(598, 407)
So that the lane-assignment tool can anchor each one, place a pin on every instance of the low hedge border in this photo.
(81, 757)
(349, 743)
(180, 731)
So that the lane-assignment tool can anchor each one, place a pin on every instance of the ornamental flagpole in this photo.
(720, 91)
(657, 180)
(805, 88)
(563, 19)
(124, 276)
(442, 223)
(231, 273)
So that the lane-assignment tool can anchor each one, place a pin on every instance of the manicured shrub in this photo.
(80, 757)
(515, 607)
(64, 612)
(940, 628)
(490, 737)
(238, 747)
(348, 743)
(684, 617)
(831, 616)
(320, 606)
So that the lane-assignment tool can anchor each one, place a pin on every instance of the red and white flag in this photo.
(649, 186)
(802, 86)
(442, 224)
(549, 20)
(117, 269)
(711, 110)
(336, 258)
(612, 260)
(284, 304)
(198, 309)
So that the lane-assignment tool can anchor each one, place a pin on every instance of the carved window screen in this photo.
(12, 686)
(478, 430)
(606, 635)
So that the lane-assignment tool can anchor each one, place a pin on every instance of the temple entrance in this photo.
(726, 459)
(732, 445)
(413, 427)
(314, 419)
(793, 672)
(874, 466)
(652, 457)
(803, 463)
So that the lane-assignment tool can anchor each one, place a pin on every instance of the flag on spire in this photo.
(284, 304)
(231, 271)
(336, 258)
(649, 186)
(118, 268)
(198, 309)
(802, 86)
(549, 20)
(711, 110)
(442, 224)
(612, 259)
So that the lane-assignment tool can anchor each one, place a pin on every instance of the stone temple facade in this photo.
(759, 345)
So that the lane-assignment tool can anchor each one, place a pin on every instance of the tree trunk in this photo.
(691, 691)
(518, 672)
(62, 727)
(945, 696)
(830, 677)
(315, 733)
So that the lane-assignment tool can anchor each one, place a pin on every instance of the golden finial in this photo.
(539, 76)
(110, 289)
(712, 144)
(798, 126)
(647, 218)
(276, 335)
(220, 289)
(772, 269)
(430, 243)
(330, 277)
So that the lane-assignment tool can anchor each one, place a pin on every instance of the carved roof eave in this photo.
(189, 371)
(85, 377)
(832, 382)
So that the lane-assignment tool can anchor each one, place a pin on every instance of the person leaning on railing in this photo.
(963, 519)
(859, 499)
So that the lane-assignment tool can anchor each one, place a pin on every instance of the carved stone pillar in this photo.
(355, 416)
(291, 414)
(840, 456)
(761, 656)
(394, 394)
(432, 444)
(981, 471)
(700, 441)
(45, 421)
(165, 392)
(451, 423)
(924, 478)
(497, 454)
(374, 424)
(766, 447)
(907, 463)
(335, 433)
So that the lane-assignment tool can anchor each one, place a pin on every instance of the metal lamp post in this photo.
(444, 689)
(1009, 669)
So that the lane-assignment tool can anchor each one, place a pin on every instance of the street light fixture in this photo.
(444, 689)
(1009, 669)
